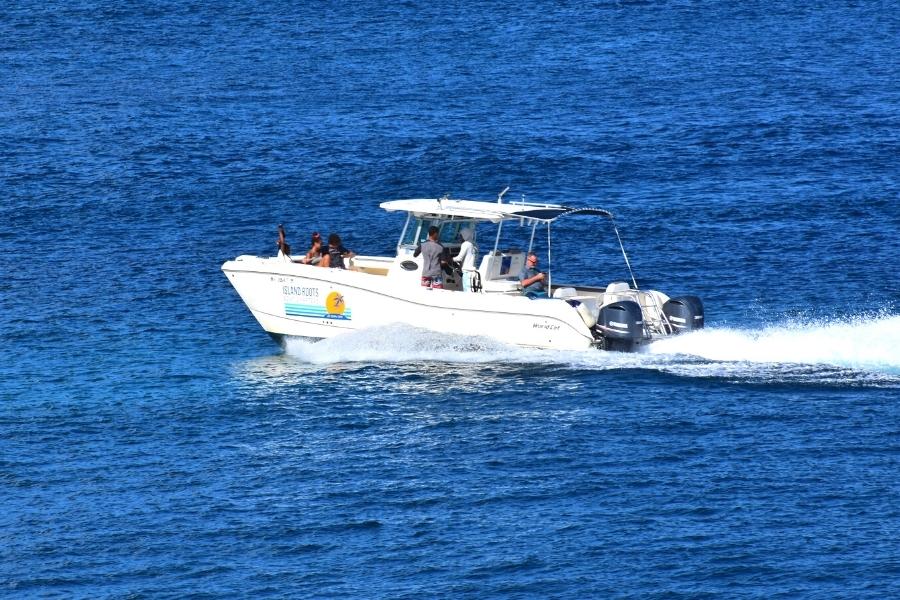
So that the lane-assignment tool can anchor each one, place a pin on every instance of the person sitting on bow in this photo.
(314, 256)
(336, 253)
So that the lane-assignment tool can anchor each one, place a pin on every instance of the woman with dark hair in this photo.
(336, 253)
(314, 256)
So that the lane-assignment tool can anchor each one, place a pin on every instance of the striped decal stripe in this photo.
(314, 312)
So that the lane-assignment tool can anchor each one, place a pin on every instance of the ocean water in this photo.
(154, 442)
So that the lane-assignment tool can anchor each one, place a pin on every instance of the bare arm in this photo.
(529, 280)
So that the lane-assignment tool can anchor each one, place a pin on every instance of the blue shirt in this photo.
(527, 273)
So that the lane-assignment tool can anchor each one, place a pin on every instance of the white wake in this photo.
(858, 350)
(854, 343)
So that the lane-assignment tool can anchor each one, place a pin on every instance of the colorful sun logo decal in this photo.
(334, 304)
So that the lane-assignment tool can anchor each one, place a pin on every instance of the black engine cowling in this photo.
(684, 313)
(622, 326)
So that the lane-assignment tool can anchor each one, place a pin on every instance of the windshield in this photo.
(449, 233)
(417, 232)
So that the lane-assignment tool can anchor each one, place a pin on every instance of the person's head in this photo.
(334, 240)
(316, 238)
(532, 259)
(466, 234)
(432, 232)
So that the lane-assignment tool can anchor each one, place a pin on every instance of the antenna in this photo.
(500, 197)
(628, 264)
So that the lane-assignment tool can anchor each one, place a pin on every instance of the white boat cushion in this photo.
(616, 291)
(564, 292)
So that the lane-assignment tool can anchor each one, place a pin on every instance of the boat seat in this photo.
(503, 286)
(500, 271)
(588, 308)
(617, 291)
(565, 292)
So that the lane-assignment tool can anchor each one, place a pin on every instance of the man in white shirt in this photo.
(468, 254)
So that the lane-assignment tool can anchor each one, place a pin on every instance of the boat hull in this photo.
(290, 299)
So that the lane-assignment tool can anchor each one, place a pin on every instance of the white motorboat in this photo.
(288, 298)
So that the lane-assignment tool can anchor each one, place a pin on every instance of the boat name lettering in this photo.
(546, 326)
(293, 290)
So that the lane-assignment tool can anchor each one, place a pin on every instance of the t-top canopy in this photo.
(487, 211)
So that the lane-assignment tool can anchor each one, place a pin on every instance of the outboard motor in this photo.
(622, 326)
(684, 313)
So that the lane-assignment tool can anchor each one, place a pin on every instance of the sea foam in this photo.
(862, 349)
(864, 343)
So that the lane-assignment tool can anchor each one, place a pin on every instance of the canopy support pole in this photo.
(403, 233)
(549, 270)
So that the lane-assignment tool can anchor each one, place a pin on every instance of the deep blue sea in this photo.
(155, 442)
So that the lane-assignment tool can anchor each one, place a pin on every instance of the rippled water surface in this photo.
(154, 442)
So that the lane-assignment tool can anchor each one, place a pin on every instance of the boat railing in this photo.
(655, 320)
(650, 302)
